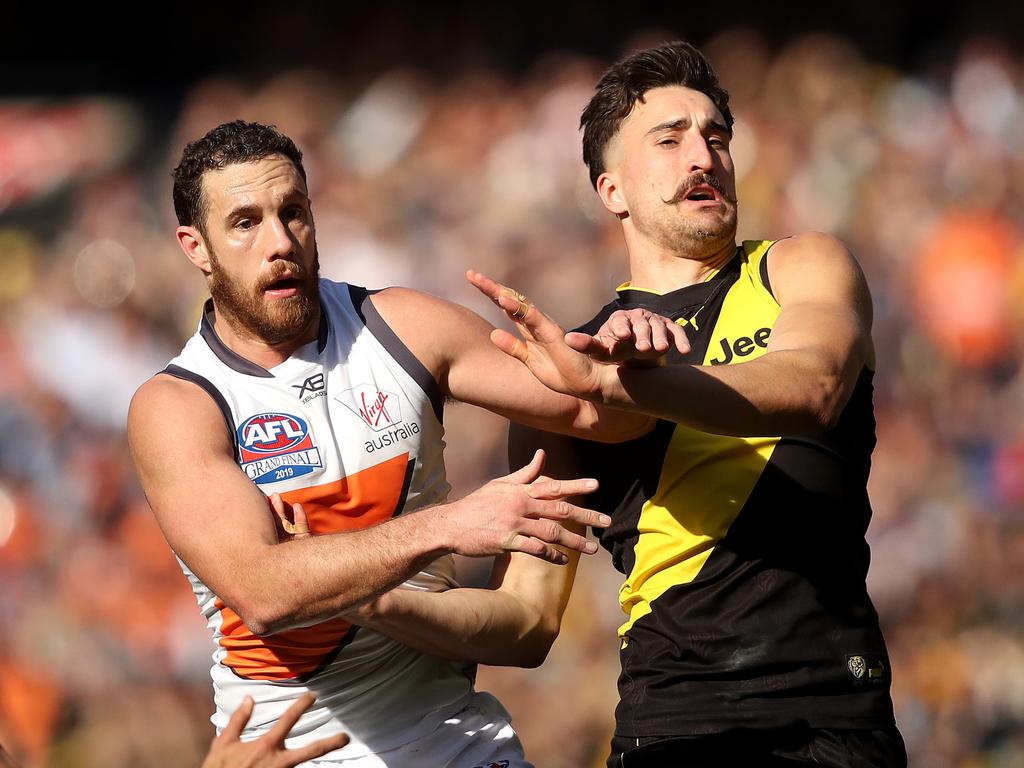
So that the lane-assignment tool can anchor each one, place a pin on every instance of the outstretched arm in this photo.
(818, 346)
(217, 521)
(455, 348)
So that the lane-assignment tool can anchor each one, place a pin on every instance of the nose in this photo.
(698, 156)
(279, 243)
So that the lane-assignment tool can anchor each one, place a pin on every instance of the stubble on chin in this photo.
(689, 236)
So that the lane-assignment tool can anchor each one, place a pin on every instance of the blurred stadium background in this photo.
(439, 137)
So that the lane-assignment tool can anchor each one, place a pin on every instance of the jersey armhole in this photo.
(758, 251)
(207, 386)
(376, 324)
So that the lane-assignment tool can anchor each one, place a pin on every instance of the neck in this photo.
(663, 271)
(257, 350)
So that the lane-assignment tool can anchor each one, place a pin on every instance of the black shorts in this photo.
(882, 748)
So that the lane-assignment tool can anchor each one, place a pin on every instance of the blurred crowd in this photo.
(416, 177)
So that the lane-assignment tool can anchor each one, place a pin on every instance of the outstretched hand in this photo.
(635, 338)
(268, 751)
(522, 512)
(541, 345)
(577, 363)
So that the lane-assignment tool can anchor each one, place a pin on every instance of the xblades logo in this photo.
(314, 386)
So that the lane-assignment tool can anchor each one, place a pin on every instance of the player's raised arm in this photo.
(818, 346)
(218, 522)
(456, 348)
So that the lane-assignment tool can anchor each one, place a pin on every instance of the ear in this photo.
(194, 246)
(610, 194)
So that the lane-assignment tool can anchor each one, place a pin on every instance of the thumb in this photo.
(529, 472)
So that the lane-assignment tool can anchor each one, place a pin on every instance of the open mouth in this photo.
(702, 193)
(286, 285)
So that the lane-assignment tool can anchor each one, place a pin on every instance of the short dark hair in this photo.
(627, 80)
(227, 144)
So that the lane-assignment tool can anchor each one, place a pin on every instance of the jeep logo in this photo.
(742, 347)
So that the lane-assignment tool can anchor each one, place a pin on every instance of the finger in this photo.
(528, 472)
(551, 489)
(620, 325)
(660, 338)
(283, 726)
(563, 510)
(550, 532)
(238, 720)
(488, 287)
(536, 547)
(300, 528)
(682, 341)
(510, 345)
(277, 504)
(641, 329)
(312, 751)
(587, 344)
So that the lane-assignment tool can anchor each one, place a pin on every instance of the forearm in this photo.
(610, 423)
(785, 392)
(316, 578)
(476, 625)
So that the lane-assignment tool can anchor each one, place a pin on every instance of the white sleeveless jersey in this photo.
(350, 426)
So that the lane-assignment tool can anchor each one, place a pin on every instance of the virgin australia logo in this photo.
(378, 408)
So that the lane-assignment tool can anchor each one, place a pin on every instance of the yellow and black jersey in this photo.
(745, 558)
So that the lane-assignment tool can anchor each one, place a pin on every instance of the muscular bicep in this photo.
(825, 304)
(211, 514)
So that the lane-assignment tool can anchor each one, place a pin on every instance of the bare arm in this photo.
(218, 522)
(514, 621)
(455, 347)
(817, 348)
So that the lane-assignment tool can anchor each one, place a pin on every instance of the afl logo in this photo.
(271, 432)
(275, 447)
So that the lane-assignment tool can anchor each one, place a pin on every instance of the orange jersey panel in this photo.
(358, 501)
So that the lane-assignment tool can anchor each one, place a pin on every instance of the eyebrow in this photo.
(248, 209)
(684, 122)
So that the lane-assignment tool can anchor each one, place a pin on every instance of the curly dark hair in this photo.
(227, 144)
(626, 82)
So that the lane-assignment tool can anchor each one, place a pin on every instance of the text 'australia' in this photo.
(392, 436)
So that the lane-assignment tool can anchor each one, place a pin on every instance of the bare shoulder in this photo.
(166, 398)
(168, 414)
(435, 330)
(815, 264)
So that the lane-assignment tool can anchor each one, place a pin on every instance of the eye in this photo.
(669, 142)
(294, 212)
(718, 142)
(245, 224)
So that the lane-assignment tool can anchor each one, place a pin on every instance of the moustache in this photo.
(283, 269)
(696, 180)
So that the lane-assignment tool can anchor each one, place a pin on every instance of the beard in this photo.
(248, 312)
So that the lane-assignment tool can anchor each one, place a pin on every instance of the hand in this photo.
(636, 338)
(297, 527)
(522, 512)
(542, 348)
(267, 751)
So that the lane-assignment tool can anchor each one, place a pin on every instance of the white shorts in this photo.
(479, 736)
